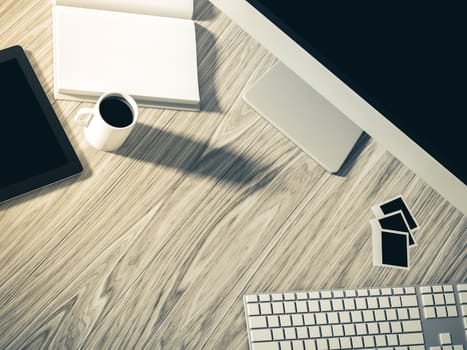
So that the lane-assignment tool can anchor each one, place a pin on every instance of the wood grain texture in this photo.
(153, 246)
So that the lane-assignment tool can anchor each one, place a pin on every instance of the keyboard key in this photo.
(273, 321)
(252, 309)
(260, 335)
(402, 314)
(278, 334)
(441, 312)
(286, 345)
(265, 346)
(398, 291)
(337, 304)
(314, 332)
(360, 303)
(322, 344)
(368, 316)
(368, 341)
(425, 289)
(429, 312)
(463, 297)
(277, 308)
(302, 296)
(380, 341)
(345, 343)
(257, 322)
(302, 333)
(384, 328)
(409, 300)
(412, 326)
(302, 306)
(264, 297)
(414, 314)
(297, 345)
(285, 320)
(338, 294)
(349, 329)
(313, 306)
(349, 304)
(325, 305)
(439, 299)
(427, 300)
(310, 344)
(372, 328)
(372, 303)
(333, 318)
(321, 318)
(445, 339)
(447, 288)
(409, 290)
(326, 331)
(395, 301)
(277, 297)
(326, 294)
(374, 292)
(297, 320)
(380, 315)
(411, 339)
(391, 315)
(337, 330)
(290, 334)
(383, 302)
(396, 327)
(289, 296)
(362, 292)
(451, 311)
(265, 309)
(309, 319)
(357, 342)
(360, 328)
(313, 295)
(251, 298)
(391, 339)
(449, 298)
(356, 316)
(350, 293)
(289, 307)
(344, 317)
(334, 343)
(386, 291)
(437, 289)
(462, 287)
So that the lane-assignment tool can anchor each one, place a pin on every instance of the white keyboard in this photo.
(402, 318)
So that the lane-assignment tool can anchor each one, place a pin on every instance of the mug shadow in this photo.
(164, 148)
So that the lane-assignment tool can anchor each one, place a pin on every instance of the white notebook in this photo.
(145, 48)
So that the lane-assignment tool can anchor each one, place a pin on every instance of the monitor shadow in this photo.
(167, 149)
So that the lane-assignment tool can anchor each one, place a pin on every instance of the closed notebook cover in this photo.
(149, 57)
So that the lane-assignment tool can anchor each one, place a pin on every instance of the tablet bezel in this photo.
(73, 165)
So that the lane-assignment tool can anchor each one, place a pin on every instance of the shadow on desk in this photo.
(163, 148)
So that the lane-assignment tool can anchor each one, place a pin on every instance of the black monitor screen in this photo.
(407, 59)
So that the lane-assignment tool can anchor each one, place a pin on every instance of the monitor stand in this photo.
(304, 116)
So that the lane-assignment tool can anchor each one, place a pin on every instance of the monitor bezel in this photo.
(289, 52)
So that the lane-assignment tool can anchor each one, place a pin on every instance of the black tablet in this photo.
(34, 149)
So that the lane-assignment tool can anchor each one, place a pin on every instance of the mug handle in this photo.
(84, 116)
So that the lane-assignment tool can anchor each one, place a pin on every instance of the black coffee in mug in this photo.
(116, 111)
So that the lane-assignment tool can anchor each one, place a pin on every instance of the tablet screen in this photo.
(34, 150)
(28, 145)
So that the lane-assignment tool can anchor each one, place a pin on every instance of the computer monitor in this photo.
(394, 69)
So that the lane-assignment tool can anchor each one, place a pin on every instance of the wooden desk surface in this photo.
(154, 246)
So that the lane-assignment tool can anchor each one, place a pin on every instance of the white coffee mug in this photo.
(108, 124)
